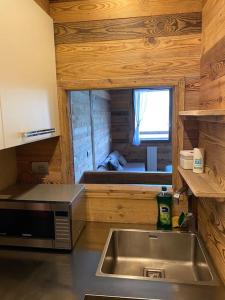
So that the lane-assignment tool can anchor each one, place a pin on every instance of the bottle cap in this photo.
(164, 188)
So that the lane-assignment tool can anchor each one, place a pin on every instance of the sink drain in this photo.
(154, 273)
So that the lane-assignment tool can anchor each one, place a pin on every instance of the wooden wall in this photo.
(101, 125)
(8, 169)
(123, 44)
(41, 151)
(212, 135)
(90, 120)
(81, 132)
(122, 124)
(106, 44)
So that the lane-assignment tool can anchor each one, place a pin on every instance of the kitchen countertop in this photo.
(42, 192)
(47, 275)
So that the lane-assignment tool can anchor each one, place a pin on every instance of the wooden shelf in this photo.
(202, 185)
(203, 113)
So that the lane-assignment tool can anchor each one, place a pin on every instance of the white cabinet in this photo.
(28, 88)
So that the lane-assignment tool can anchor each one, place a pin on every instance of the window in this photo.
(152, 115)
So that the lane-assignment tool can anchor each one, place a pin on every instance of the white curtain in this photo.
(140, 101)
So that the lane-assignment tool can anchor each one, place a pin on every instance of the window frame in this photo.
(151, 141)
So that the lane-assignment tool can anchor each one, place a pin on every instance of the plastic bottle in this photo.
(164, 200)
(198, 160)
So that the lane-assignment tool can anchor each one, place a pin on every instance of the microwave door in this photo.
(27, 223)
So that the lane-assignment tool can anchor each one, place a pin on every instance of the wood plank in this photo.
(213, 25)
(42, 151)
(111, 177)
(116, 83)
(212, 228)
(212, 139)
(213, 76)
(129, 28)
(206, 112)
(88, 10)
(202, 185)
(118, 203)
(72, 64)
(177, 131)
(192, 93)
(67, 168)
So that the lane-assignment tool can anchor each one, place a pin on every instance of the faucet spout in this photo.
(178, 193)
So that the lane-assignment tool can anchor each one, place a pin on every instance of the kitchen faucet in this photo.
(189, 222)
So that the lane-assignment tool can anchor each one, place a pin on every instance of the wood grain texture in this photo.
(212, 135)
(118, 203)
(211, 224)
(43, 151)
(213, 23)
(177, 131)
(213, 77)
(43, 4)
(89, 10)
(67, 168)
(129, 28)
(106, 61)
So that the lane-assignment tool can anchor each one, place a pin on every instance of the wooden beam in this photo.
(67, 169)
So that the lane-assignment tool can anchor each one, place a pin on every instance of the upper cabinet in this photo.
(28, 89)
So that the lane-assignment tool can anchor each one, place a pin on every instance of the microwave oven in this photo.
(43, 216)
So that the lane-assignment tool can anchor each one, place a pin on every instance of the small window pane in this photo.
(155, 120)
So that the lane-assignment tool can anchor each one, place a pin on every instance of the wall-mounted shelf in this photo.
(199, 113)
(209, 115)
(202, 185)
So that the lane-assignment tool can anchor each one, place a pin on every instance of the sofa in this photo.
(116, 162)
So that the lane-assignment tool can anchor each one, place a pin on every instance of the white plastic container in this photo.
(186, 159)
(198, 160)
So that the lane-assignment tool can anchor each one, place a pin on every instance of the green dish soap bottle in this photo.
(164, 200)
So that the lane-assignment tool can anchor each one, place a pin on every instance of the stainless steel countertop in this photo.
(42, 192)
(41, 275)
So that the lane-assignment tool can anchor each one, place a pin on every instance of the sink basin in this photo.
(156, 255)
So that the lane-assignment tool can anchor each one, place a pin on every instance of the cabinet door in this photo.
(27, 72)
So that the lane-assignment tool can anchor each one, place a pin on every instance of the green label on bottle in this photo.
(164, 211)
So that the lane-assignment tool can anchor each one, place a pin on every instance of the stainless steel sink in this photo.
(156, 255)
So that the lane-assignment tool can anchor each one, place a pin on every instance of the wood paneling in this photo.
(89, 10)
(212, 135)
(118, 203)
(42, 151)
(213, 23)
(66, 168)
(112, 177)
(106, 47)
(141, 57)
(8, 170)
(130, 28)
(43, 4)
(133, 58)
(213, 77)
(211, 223)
